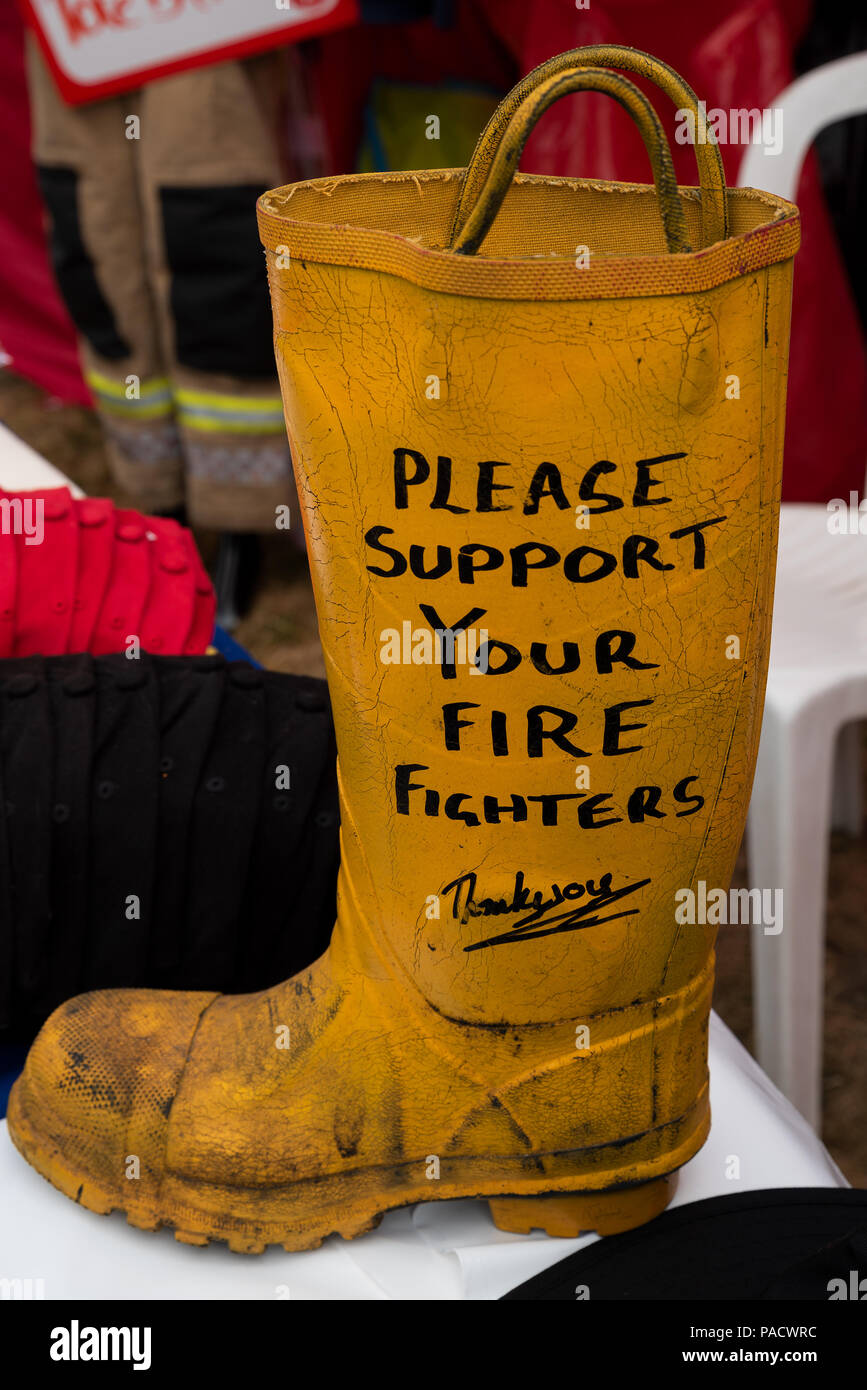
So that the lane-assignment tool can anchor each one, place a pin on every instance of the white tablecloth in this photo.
(441, 1250)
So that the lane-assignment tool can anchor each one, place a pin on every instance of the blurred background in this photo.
(136, 350)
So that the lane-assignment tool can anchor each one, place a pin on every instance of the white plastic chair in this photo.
(809, 768)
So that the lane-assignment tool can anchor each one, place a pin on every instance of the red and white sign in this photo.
(97, 47)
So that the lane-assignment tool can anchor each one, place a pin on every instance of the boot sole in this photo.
(199, 1213)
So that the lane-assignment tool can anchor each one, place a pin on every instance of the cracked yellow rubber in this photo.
(577, 458)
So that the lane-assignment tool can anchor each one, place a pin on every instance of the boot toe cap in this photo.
(91, 1109)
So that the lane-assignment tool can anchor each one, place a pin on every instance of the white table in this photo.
(441, 1250)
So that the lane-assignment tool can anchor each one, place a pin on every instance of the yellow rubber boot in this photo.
(569, 471)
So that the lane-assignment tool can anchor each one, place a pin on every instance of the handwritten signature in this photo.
(542, 919)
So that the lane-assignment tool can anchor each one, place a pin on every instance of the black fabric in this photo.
(223, 826)
(73, 267)
(320, 856)
(72, 694)
(124, 796)
(8, 963)
(219, 289)
(777, 1244)
(191, 697)
(27, 758)
(827, 1270)
(155, 779)
(293, 865)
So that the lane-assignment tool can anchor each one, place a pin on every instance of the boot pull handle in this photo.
(502, 164)
(710, 168)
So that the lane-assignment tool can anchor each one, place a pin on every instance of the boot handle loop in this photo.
(503, 164)
(710, 168)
